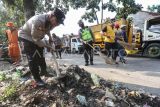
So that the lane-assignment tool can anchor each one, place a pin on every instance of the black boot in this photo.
(86, 64)
(40, 82)
(91, 63)
(46, 74)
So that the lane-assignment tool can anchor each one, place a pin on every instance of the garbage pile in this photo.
(77, 88)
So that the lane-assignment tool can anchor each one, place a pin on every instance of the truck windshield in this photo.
(154, 25)
(74, 40)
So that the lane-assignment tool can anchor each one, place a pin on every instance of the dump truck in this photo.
(143, 41)
(99, 39)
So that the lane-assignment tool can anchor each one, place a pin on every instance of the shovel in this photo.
(54, 61)
(107, 59)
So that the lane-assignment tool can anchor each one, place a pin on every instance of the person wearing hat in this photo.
(87, 38)
(120, 50)
(32, 33)
(13, 47)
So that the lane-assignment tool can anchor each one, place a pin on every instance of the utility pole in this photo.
(101, 13)
(102, 18)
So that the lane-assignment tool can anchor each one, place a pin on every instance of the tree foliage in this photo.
(17, 9)
(128, 7)
(92, 7)
(14, 11)
(154, 8)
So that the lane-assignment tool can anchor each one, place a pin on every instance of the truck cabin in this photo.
(153, 25)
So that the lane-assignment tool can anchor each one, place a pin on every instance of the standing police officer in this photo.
(87, 37)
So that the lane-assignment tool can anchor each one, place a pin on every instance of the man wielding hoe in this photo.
(87, 38)
(32, 33)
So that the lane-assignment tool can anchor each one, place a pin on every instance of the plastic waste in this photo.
(82, 99)
(134, 94)
(141, 91)
(109, 94)
(77, 77)
(19, 73)
(95, 79)
(109, 103)
(146, 105)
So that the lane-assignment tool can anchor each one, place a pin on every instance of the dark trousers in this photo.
(35, 58)
(58, 51)
(111, 50)
(121, 51)
(88, 51)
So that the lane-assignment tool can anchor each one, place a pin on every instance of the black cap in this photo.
(59, 15)
(80, 22)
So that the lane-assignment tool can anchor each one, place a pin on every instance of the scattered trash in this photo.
(77, 88)
(109, 94)
(19, 73)
(146, 105)
(82, 99)
(109, 103)
(95, 79)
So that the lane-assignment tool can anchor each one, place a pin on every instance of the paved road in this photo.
(137, 73)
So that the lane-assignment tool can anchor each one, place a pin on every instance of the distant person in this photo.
(58, 45)
(87, 38)
(65, 43)
(32, 33)
(13, 47)
(120, 49)
(110, 45)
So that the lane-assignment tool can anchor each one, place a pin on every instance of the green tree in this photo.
(128, 7)
(28, 9)
(154, 8)
(93, 6)
(14, 11)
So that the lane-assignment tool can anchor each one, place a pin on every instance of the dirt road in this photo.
(138, 73)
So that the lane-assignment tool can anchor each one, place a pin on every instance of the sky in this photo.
(73, 16)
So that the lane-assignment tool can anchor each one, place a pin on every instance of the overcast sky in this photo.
(73, 16)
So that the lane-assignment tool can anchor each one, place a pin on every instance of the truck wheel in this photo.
(153, 50)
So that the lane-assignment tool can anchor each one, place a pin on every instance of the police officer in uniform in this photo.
(87, 38)
(32, 33)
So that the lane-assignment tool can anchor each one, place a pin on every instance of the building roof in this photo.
(151, 13)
